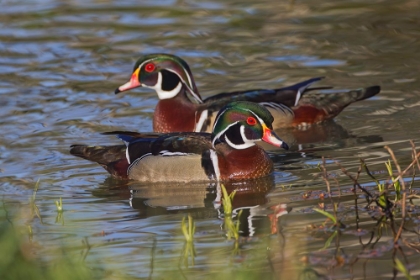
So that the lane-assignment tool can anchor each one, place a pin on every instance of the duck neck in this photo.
(175, 114)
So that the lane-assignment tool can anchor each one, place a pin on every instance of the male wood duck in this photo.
(229, 153)
(181, 108)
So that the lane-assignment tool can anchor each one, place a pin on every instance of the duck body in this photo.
(153, 158)
(228, 154)
(181, 108)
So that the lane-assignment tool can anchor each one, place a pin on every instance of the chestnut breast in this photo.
(174, 115)
(249, 163)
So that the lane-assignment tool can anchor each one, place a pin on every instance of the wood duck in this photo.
(181, 108)
(229, 153)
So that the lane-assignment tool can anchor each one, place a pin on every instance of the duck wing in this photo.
(288, 96)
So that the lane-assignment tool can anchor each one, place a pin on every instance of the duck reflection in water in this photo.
(201, 200)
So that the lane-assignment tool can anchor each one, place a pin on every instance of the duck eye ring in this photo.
(150, 67)
(251, 121)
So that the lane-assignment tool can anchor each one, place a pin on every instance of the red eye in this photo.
(150, 67)
(251, 121)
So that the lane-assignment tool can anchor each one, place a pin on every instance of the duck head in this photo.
(240, 124)
(167, 74)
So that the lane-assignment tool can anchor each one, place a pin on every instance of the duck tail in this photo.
(112, 158)
(334, 103)
(365, 93)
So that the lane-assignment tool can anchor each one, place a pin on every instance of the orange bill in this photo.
(132, 83)
(271, 138)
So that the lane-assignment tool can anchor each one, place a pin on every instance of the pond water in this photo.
(60, 62)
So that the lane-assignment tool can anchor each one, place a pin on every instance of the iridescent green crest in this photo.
(242, 112)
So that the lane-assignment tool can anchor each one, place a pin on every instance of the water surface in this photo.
(60, 62)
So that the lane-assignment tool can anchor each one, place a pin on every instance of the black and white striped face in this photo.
(166, 74)
(241, 124)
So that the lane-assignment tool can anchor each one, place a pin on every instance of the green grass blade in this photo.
(400, 266)
(326, 214)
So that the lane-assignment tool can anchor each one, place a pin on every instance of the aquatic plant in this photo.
(188, 250)
(188, 229)
(390, 196)
(59, 205)
(400, 266)
(34, 208)
(59, 218)
(231, 227)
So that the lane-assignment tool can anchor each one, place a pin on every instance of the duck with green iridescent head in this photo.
(228, 153)
(181, 108)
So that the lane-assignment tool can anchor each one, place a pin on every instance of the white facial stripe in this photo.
(242, 128)
(203, 118)
(170, 94)
(162, 94)
(141, 65)
(221, 132)
(188, 76)
(196, 97)
(247, 143)
(215, 161)
(241, 146)
(246, 140)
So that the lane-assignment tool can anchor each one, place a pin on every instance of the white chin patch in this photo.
(162, 94)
